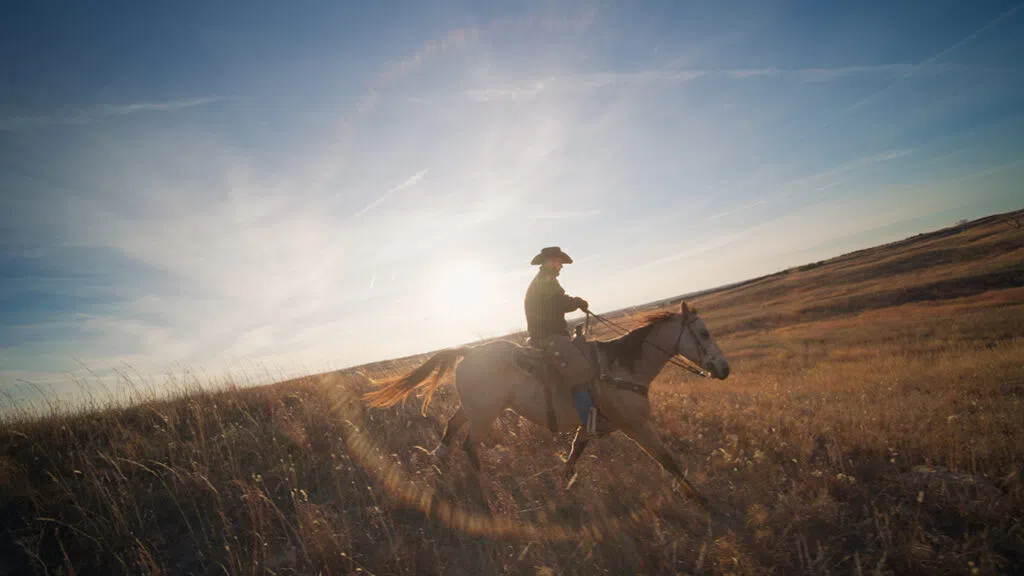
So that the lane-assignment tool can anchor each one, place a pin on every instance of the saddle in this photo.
(534, 359)
(539, 363)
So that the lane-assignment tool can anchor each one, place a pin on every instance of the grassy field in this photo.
(873, 424)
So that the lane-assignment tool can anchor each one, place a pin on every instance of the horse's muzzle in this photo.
(718, 368)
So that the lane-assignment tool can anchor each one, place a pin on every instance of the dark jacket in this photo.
(546, 306)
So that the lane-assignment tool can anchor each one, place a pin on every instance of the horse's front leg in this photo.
(647, 437)
(579, 444)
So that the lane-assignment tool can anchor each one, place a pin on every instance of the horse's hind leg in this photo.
(451, 428)
(477, 433)
(472, 447)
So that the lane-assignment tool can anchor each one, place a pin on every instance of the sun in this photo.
(463, 293)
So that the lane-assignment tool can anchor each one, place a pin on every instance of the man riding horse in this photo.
(497, 375)
(546, 305)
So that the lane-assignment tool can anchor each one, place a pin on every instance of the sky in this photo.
(283, 188)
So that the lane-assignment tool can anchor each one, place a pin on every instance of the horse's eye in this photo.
(705, 334)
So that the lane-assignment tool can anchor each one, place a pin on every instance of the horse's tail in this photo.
(395, 390)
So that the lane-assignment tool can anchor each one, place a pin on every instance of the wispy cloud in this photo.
(695, 249)
(325, 170)
(828, 74)
(890, 155)
(410, 181)
(541, 213)
(751, 72)
(822, 180)
(583, 82)
(883, 71)
(826, 178)
(512, 93)
(810, 183)
(459, 39)
(452, 40)
(120, 110)
(736, 211)
(99, 113)
(931, 63)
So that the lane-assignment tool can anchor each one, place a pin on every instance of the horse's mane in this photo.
(628, 349)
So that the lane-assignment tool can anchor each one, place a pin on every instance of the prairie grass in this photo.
(872, 425)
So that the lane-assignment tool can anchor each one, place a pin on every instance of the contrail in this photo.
(931, 59)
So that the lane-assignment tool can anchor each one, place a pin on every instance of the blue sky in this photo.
(309, 185)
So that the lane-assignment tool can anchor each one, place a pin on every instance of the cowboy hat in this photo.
(550, 252)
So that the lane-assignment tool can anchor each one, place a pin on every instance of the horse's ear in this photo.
(684, 309)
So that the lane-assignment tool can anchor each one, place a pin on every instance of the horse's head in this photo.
(697, 345)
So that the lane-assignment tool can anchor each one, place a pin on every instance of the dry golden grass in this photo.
(872, 425)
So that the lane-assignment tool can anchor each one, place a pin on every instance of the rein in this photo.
(671, 355)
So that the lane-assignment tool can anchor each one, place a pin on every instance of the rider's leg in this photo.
(576, 371)
(584, 404)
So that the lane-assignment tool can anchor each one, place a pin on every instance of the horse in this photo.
(495, 376)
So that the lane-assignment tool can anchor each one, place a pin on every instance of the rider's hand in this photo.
(582, 304)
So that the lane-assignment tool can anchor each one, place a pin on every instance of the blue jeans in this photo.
(583, 402)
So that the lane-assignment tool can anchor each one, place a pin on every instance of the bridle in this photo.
(702, 352)
(687, 326)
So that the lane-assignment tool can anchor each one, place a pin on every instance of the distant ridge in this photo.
(1009, 217)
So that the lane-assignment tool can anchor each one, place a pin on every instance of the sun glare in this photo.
(464, 293)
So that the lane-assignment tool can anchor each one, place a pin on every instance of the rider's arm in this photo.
(563, 301)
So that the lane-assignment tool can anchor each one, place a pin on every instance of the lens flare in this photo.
(407, 492)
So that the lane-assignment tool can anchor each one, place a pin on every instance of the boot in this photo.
(599, 426)
(592, 421)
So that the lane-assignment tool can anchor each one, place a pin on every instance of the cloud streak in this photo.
(736, 211)
(100, 113)
(120, 110)
(827, 178)
(577, 83)
(459, 39)
(408, 183)
(540, 213)
(584, 82)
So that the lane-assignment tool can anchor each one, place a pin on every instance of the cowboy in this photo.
(546, 305)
